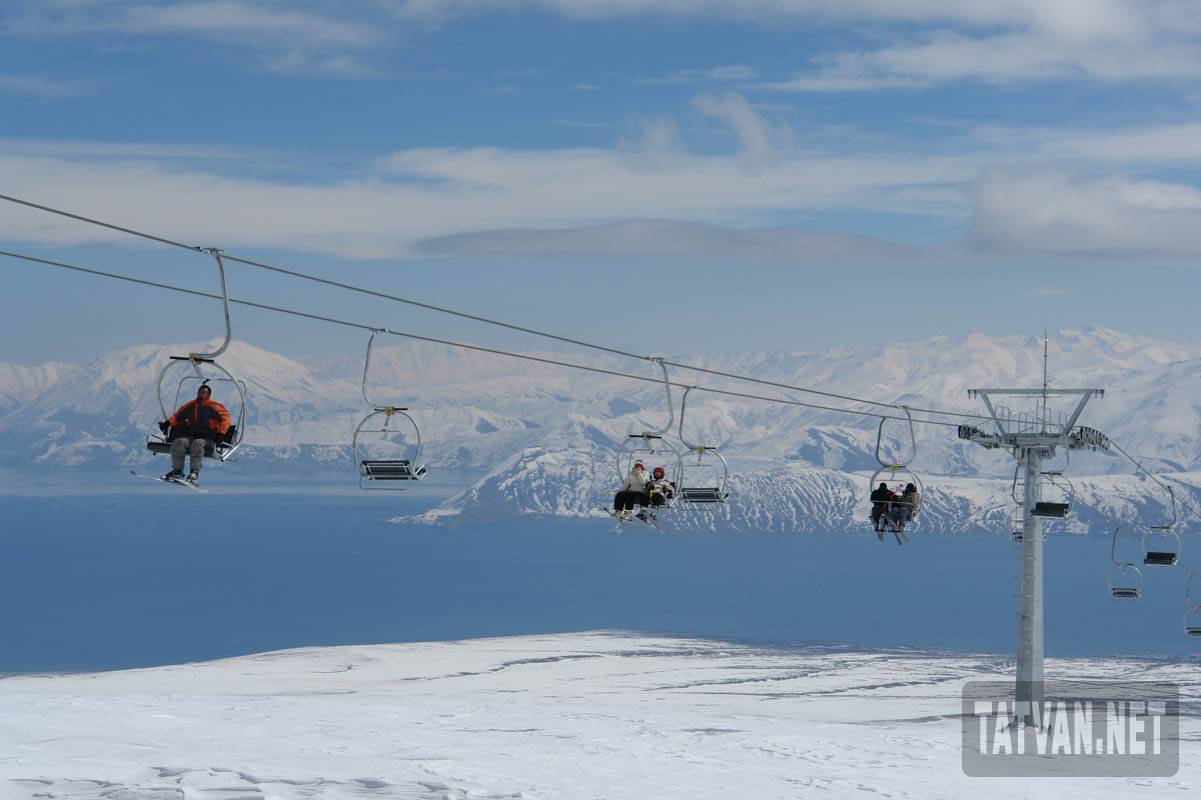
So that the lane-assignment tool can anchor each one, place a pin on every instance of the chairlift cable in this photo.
(451, 343)
(475, 317)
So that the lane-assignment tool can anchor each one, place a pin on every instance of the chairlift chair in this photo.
(702, 481)
(199, 369)
(1162, 543)
(897, 472)
(1056, 508)
(1125, 580)
(379, 463)
(1192, 596)
(653, 446)
(1017, 528)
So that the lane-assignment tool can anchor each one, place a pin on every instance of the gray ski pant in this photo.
(184, 446)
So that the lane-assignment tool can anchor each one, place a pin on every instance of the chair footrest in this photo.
(702, 495)
(391, 470)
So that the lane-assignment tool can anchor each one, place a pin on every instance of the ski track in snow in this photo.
(587, 715)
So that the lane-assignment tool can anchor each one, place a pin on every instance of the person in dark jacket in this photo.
(658, 492)
(193, 427)
(882, 499)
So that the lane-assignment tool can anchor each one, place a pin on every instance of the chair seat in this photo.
(1158, 558)
(1125, 593)
(390, 470)
(1050, 509)
(164, 448)
(702, 494)
(1193, 630)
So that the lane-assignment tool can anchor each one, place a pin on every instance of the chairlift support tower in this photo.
(1033, 437)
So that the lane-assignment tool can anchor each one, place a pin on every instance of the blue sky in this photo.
(694, 174)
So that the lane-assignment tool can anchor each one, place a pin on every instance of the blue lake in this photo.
(123, 580)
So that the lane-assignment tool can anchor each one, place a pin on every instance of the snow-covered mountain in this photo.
(545, 438)
(19, 384)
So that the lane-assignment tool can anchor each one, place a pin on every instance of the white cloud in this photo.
(1175, 142)
(1020, 56)
(1065, 17)
(669, 239)
(38, 85)
(261, 23)
(337, 66)
(756, 135)
(1152, 145)
(1050, 292)
(1054, 212)
(68, 148)
(653, 196)
(728, 73)
(425, 193)
(932, 40)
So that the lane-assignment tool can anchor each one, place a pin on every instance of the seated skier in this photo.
(194, 426)
(903, 509)
(882, 499)
(633, 490)
(658, 492)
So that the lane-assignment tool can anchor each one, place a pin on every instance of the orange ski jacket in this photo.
(202, 415)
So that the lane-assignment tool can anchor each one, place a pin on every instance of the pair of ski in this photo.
(649, 519)
(177, 481)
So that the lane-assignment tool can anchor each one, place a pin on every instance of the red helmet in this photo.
(658, 472)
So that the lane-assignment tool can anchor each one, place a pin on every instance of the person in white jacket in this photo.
(633, 490)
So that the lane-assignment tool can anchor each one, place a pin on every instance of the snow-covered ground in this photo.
(586, 715)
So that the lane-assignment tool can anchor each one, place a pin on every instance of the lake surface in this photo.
(124, 580)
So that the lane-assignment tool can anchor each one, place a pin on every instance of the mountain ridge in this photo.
(483, 413)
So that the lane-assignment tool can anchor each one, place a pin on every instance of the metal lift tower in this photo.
(1032, 437)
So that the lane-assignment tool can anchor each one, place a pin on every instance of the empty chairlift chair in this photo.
(705, 480)
(1162, 543)
(1016, 526)
(181, 376)
(1192, 596)
(387, 456)
(1057, 492)
(1125, 579)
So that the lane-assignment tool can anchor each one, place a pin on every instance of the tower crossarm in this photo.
(1036, 392)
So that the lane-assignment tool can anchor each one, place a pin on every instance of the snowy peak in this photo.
(545, 438)
(19, 384)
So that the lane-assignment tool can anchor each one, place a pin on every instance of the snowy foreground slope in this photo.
(568, 716)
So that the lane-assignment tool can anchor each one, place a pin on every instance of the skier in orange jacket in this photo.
(197, 424)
